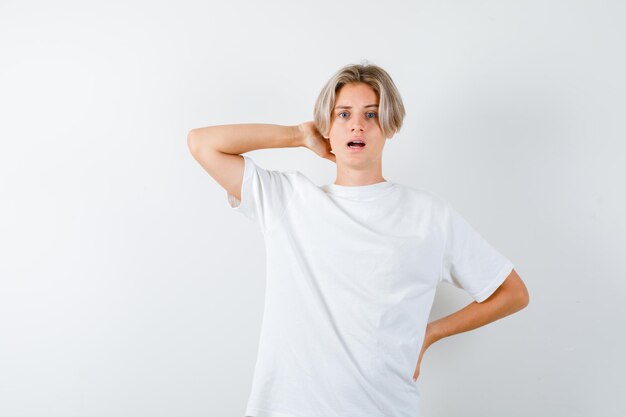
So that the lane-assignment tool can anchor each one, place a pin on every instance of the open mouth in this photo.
(356, 144)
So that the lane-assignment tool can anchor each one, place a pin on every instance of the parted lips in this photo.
(356, 143)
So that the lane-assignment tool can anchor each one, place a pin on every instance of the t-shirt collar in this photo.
(359, 190)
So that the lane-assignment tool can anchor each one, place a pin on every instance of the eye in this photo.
(342, 113)
(372, 113)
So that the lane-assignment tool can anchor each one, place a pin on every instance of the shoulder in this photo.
(422, 196)
(287, 177)
(426, 205)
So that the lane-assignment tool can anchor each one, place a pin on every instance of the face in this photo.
(355, 117)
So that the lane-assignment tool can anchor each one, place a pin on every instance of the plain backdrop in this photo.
(128, 288)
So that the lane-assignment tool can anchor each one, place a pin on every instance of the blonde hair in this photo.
(390, 107)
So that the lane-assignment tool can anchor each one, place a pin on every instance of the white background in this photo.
(129, 288)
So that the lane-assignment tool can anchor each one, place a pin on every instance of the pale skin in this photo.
(218, 149)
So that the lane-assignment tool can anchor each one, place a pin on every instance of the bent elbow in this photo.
(191, 142)
(524, 298)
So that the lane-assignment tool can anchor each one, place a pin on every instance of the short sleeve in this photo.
(264, 194)
(469, 262)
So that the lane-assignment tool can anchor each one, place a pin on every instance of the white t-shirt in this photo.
(350, 280)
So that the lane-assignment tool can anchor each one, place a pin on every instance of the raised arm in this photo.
(236, 139)
(217, 148)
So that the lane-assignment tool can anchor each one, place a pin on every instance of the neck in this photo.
(354, 176)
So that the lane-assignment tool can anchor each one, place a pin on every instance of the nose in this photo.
(357, 124)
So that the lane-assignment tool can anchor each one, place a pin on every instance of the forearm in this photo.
(474, 315)
(240, 138)
(468, 318)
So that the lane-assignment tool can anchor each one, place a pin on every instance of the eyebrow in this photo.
(349, 107)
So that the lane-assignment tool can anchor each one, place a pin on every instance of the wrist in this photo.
(297, 136)
(433, 333)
